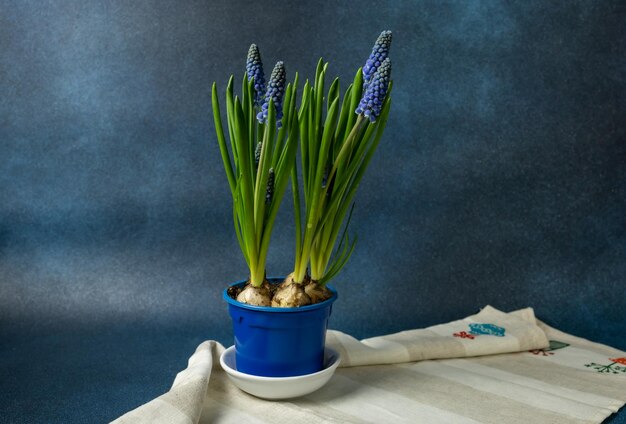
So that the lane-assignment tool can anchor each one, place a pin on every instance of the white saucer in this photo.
(280, 387)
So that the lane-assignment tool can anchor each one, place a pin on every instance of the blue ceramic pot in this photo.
(279, 342)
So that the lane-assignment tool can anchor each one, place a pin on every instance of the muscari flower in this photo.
(380, 52)
(269, 190)
(275, 92)
(257, 153)
(254, 69)
(372, 100)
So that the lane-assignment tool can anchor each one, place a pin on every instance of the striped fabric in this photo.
(552, 377)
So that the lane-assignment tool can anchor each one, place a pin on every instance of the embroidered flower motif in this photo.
(464, 335)
(554, 345)
(618, 360)
(542, 352)
(610, 368)
(489, 329)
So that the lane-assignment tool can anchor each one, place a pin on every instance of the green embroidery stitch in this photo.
(611, 368)
(555, 345)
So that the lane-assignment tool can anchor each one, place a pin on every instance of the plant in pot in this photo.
(280, 325)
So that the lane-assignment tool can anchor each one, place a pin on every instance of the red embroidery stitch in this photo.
(464, 335)
(540, 352)
(618, 360)
(554, 345)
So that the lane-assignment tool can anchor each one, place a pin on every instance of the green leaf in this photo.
(245, 97)
(338, 265)
(263, 171)
(314, 195)
(357, 93)
(312, 145)
(282, 132)
(340, 256)
(251, 118)
(333, 93)
(319, 68)
(356, 180)
(245, 166)
(340, 133)
(304, 135)
(217, 119)
(327, 139)
(319, 101)
(237, 212)
(281, 179)
(297, 212)
(230, 117)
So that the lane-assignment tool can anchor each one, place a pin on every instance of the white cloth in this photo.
(552, 378)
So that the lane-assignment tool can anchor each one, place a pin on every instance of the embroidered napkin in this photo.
(553, 377)
(487, 333)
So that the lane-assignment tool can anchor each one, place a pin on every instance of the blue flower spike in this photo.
(374, 96)
(275, 92)
(269, 190)
(380, 52)
(254, 69)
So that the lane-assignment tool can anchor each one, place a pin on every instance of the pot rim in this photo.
(274, 280)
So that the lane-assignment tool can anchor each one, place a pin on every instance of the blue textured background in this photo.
(500, 180)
